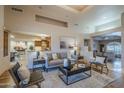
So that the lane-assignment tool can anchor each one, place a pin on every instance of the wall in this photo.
(1, 17)
(4, 61)
(122, 39)
(122, 58)
(25, 23)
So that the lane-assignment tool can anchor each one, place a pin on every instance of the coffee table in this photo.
(65, 73)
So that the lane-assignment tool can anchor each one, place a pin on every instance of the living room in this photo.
(27, 26)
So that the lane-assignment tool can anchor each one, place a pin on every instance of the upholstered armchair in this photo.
(36, 77)
(101, 61)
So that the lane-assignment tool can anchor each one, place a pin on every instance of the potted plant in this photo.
(31, 48)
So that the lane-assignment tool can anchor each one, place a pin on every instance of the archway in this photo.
(115, 48)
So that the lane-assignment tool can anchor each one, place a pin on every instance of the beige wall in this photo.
(25, 22)
(1, 17)
(4, 61)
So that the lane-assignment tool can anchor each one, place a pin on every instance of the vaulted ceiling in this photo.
(81, 18)
(74, 8)
(78, 7)
(85, 18)
(96, 16)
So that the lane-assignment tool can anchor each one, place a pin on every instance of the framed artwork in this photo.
(67, 42)
(44, 44)
(63, 45)
(87, 43)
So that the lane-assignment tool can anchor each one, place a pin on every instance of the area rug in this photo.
(97, 80)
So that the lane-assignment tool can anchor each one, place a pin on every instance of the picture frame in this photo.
(67, 42)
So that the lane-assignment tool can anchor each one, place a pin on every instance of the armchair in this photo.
(36, 77)
(100, 61)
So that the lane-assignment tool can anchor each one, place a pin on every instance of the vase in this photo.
(66, 63)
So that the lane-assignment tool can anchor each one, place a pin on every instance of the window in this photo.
(114, 47)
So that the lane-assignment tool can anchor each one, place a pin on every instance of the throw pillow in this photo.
(63, 55)
(100, 59)
(24, 75)
(59, 56)
(54, 55)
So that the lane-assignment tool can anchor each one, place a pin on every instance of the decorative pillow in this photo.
(59, 55)
(100, 59)
(63, 55)
(24, 75)
(66, 63)
(54, 55)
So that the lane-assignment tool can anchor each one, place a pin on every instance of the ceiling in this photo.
(85, 18)
(81, 18)
(78, 7)
(97, 15)
(74, 8)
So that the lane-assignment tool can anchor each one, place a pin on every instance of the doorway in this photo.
(109, 45)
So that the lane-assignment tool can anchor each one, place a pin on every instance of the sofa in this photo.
(54, 59)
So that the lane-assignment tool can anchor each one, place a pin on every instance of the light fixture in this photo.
(66, 16)
(40, 7)
(36, 39)
(76, 24)
(4, 28)
(104, 17)
(44, 35)
(12, 36)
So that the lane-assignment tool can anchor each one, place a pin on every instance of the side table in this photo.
(39, 61)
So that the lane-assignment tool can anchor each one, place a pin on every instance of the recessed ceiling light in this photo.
(44, 35)
(76, 24)
(12, 36)
(40, 7)
(66, 16)
(104, 17)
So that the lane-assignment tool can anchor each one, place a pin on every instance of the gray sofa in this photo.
(51, 62)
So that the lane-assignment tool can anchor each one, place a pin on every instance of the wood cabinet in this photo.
(44, 44)
(37, 43)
